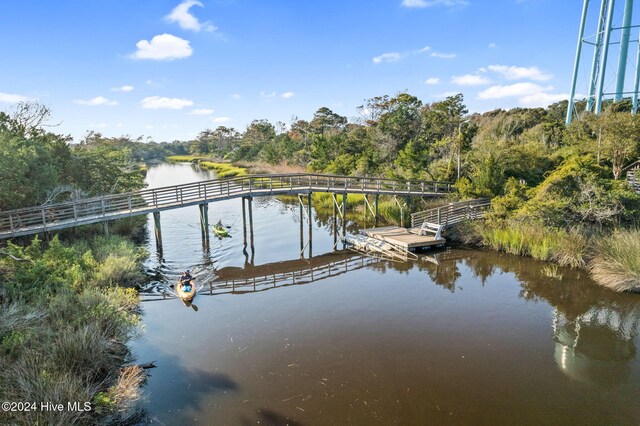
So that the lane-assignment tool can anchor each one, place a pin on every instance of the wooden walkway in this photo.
(34, 220)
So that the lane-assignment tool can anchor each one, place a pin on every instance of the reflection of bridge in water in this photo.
(250, 278)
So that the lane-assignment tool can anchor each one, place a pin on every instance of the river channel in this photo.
(456, 337)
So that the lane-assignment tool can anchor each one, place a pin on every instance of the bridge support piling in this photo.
(105, 227)
(300, 207)
(344, 219)
(310, 225)
(249, 203)
(204, 220)
(158, 231)
(335, 220)
(244, 222)
(375, 215)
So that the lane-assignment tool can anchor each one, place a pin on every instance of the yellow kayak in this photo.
(186, 290)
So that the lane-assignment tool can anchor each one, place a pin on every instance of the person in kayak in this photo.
(185, 281)
(186, 277)
(219, 225)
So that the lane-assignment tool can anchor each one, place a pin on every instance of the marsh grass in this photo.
(223, 170)
(520, 239)
(66, 340)
(185, 158)
(574, 249)
(551, 271)
(616, 263)
(260, 167)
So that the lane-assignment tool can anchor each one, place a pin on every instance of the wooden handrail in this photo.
(451, 213)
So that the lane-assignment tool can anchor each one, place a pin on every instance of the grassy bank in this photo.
(65, 320)
(185, 158)
(612, 259)
(223, 170)
(261, 167)
(616, 263)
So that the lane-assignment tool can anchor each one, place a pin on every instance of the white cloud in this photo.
(543, 99)
(492, 45)
(470, 80)
(431, 3)
(12, 98)
(203, 111)
(519, 73)
(287, 95)
(125, 88)
(221, 119)
(443, 55)
(432, 81)
(235, 96)
(163, 47)
(445, 95)
(387, 57)
(396, 56)
(157, 102)
(186, 20)
(98, 100)
(266, 95)
(517, 89)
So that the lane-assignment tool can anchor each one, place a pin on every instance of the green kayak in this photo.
(220, 231)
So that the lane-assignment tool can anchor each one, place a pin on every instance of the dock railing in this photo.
(50, 217)
(452, 213)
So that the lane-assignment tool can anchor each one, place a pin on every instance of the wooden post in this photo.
(344, 214)
(301, 226)
(310, 225)
(158, 231)
(105, 227)
(250, 202)
(375, 219)
(335, 219)
(204, 220)
(244, 222)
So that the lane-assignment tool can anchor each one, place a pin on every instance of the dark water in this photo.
(457, 337)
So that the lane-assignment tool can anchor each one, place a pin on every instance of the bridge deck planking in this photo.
(34, 220)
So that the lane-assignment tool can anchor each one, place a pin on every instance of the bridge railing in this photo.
(137, 202)
(452, 213)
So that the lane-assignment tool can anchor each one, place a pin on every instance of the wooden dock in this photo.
(407, 239)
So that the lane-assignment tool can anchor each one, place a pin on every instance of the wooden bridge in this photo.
(44, 218)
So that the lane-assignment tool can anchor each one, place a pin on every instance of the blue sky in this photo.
(168, 69)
